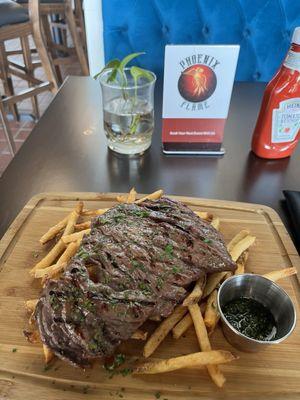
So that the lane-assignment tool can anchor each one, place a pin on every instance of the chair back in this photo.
(262, 28)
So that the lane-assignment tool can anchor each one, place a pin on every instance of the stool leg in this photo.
(76, 38)
(7, 81)
(30, 71)
(40, 44)
(48, 36)
(7, 131)
(80, 18)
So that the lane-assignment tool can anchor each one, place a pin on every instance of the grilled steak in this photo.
(137, 263)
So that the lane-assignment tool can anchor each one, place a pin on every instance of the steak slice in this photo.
(136, 263)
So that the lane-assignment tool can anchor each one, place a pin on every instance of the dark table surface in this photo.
(67, 152)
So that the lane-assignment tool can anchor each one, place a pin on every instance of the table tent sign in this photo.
(198, 82)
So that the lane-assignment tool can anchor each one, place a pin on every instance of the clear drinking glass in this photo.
(128, 113)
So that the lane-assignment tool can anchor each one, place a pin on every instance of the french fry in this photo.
(212, 282)
(204, 215)
(212, 315)
(241, 246)
(73, 217)
(53, 270)
(32, 336)
(162, 330)
(188, 361)
(93, 213)
(50, 257)
(75, 236)
(54, 230)
(281, 273)
(48, 354)
(132, 196)
(139, 335)
(237, 238)
(182, 326)
(202, 336)
(66, 223)
(30, 305)
(122, 198)
(185, 323)
(153, 196)
(69, 252)
(241, 262)
(216, 223)
(49, 272)
(238, 249)
(83, 226)
(196, 293)
(155, 318)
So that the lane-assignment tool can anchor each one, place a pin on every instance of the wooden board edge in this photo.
(197, 201)
(285, 242)
(14, 227)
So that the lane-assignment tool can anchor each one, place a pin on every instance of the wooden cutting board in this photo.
(273, 373)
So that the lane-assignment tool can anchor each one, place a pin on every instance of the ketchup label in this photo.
(286, 121)
(292, 60)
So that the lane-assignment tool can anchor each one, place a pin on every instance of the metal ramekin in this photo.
(263, 290)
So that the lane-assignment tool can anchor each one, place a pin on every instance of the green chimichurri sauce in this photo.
(251, 318)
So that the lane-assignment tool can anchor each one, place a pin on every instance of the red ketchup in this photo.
(277, 129)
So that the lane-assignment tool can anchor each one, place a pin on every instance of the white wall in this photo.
(94, 34)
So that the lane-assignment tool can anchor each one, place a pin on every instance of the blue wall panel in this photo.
(263, 28)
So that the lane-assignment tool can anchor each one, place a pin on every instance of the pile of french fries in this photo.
(199, 308)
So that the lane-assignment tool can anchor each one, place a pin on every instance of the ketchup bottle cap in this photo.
(296, 36)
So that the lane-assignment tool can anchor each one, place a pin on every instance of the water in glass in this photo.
(129, 125)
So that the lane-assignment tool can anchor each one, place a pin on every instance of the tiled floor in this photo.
(22, 129)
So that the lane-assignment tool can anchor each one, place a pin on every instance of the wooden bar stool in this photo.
(74, 19)
(15, 22)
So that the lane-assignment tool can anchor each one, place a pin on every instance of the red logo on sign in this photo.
(197, 83)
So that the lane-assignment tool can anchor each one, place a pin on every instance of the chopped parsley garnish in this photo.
(82, 254)
(54, 302)
(93, 346)
(169, 250)
(103, 221)
(113, 368)
(145, 288)
(157, 395)
(207, 240)
(119, 217)
(159, 282)
(176, 269)
(140, 213)
(14, 350)
(138, 265)
(88, 305)
(126, 371)
(119, 359)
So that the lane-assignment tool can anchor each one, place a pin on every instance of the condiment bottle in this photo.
(277, 129)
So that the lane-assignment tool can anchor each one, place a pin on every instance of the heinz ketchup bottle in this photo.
(278, 126)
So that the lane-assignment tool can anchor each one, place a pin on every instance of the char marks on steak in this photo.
(136, 263)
